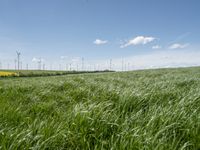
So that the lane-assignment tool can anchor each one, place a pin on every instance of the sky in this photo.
(117, 34)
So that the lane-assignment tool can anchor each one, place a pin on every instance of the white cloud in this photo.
(153, 59)
(160, 59)
(139, 40)
(37, 59)
(34, 60)
(100, 42)
(156, 47)
(63, 57)
(75, 59)
(178, 46)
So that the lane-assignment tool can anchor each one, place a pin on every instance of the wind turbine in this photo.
(110, 64)
(15, 64)
(82, 63)
(39, 64)
(18, 60)
(122, 64)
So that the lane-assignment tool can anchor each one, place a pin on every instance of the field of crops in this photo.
(151, 110)
(7, 74)
(40, 73)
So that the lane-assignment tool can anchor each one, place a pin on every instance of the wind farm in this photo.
(99, 75)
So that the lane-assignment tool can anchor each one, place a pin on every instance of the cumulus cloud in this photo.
(156, 47)
(100, 42)
(178, 46)
(34, 60)
(63, 57)
(37, 59)
(139, 40)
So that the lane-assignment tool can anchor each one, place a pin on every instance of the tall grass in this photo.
(154, 109)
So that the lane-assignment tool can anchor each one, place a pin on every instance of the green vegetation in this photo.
(40, 73)
(151, 110)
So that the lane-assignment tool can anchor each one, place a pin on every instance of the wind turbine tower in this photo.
(15, 64)
(110, 64)
(39, 64)
(82, 63)
(18, 60)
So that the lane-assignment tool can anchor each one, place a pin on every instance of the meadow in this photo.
(137, 110)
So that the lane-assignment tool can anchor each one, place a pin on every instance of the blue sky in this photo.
(63, 31)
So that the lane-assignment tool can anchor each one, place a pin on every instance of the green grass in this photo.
(151, 110)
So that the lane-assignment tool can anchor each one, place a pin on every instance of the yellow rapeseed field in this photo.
(5, 74)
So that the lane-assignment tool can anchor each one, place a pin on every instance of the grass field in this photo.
(151, 110)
